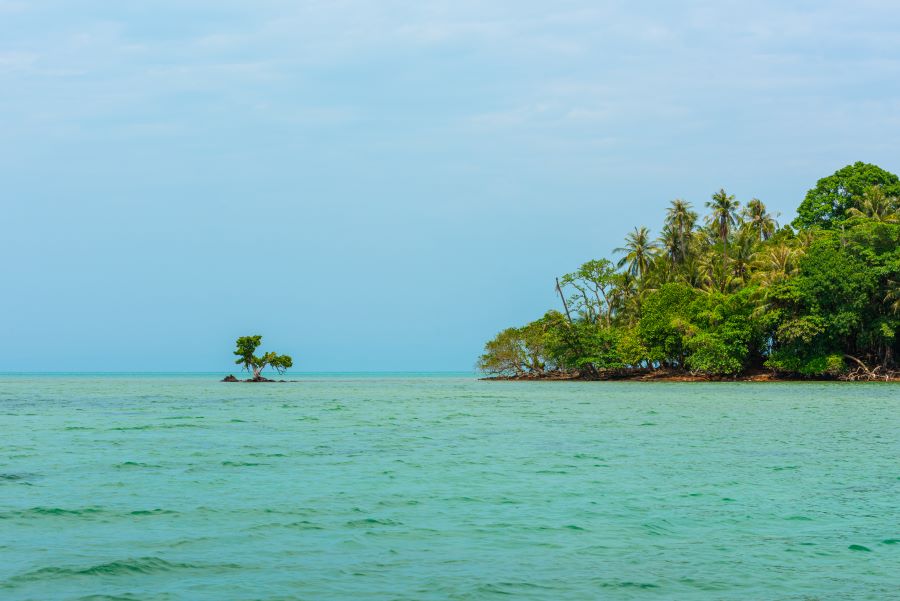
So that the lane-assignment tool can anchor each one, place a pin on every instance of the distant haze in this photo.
(384, 185)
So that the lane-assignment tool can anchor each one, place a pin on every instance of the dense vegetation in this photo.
(733, 293)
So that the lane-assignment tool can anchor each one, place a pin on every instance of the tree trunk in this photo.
(565, 304)
(608, 308)
(587, 305)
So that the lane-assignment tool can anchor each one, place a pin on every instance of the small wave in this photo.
(125, 567)
(657, 529)
(125, 597)
(372, 522)
(628, 584)
(397, 503)
(891, 541)
(131, 464)
(142, 512)
(299, 525)
(84, 513)
(154, 427)
(303, 525)
(510, 588)
(52, 511)
(858, 548)
(241, 464)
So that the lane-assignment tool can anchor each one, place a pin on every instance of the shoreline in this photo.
(675, 375)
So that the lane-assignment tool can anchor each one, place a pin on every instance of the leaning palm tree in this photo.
(639, 250)
(875, 204)
(680, 220)
(723, 218)
(758, 220)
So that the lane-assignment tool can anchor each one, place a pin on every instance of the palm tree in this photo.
(744, 248)
(624, 300)
(692, 272)
(758, 220)
(775, 264)
(670, 244)
(877, 205)
(772, 266)
(714, 274)
(893, 295)
(680, 220)
(639, 250)
(724, 209)
(803, 240)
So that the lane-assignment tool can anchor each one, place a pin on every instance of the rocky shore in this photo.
(231, 378)
(677, 375)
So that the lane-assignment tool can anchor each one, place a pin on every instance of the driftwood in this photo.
(863, 373)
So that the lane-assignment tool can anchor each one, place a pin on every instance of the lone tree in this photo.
(247, 345)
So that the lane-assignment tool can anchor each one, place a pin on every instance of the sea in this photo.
(443, 487)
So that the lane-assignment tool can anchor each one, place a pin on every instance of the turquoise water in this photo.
(444, 487)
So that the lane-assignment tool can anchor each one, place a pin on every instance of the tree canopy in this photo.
(246, 347)
(733, 292)
(827, 205)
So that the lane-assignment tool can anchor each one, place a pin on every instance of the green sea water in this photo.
(424, 487)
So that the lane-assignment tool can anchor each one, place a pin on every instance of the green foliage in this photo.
(246, 347)
(600, 347)
(736, 294)
(516, 351)
(638, 252)
(728, 335)
(503, 355)
(827, 204)
(810, 365)
(580, 345)
(715, 354)
(665, 321)
(592, 284)
(630, 348)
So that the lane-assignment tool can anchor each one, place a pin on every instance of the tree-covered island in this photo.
(732, 295)
(245, 348)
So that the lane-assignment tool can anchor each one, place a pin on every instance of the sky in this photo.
(385, 185)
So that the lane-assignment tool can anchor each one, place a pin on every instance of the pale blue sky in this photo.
(384, 185)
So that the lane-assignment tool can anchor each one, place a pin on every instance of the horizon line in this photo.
(151, 372)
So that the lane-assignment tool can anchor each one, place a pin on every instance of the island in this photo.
(733, 296)
(249, 362)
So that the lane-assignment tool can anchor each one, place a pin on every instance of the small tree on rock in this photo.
(247, 345)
